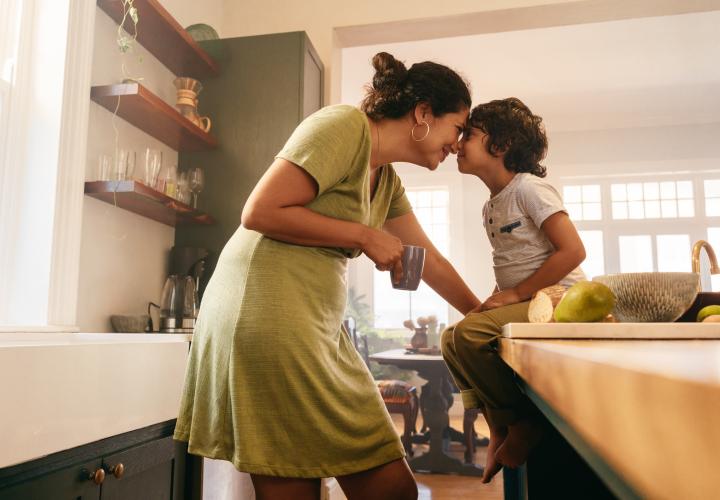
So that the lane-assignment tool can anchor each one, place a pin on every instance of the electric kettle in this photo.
(178, 305)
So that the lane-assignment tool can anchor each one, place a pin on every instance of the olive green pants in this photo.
(485, 381)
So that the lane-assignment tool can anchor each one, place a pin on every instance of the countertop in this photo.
(649, 408)
(35, 339)
(61, 390)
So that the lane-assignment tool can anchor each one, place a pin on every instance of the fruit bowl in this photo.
(651, 297)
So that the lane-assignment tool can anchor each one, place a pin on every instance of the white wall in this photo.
(321, 18)
(332, 25)
(124, 255)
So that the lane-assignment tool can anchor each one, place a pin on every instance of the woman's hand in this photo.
(499, 299)
(385, 250)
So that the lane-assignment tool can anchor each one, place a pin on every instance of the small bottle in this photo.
(171, 182)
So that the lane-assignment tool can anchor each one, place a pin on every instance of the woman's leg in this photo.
(273, 488)
(391, 481)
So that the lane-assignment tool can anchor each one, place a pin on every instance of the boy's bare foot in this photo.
(492, 466)
(522, 437)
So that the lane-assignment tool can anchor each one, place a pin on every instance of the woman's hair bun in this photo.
(396, 90)
(390, 74)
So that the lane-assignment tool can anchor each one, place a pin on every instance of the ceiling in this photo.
(646, 72)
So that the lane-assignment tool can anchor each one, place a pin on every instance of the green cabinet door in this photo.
(151, 471)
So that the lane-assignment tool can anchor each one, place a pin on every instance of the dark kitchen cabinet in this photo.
(146, 464)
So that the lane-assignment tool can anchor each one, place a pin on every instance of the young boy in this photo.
(535, 245)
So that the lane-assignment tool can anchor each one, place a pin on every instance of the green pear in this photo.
(585, 302)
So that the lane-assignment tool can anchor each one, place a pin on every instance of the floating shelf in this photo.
(149, 113)
(143, 200)
(164, 38)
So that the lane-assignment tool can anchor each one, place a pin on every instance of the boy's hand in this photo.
(499, 299)
(478, 308)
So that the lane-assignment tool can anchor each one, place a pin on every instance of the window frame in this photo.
(696, 227)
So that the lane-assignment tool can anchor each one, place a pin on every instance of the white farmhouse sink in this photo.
(61, 390)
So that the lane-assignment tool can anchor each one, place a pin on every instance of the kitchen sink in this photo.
(62, 390)
(703, 299)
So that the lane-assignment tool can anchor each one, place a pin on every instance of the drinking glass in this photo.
(171, 181)
(104, 167)
(183, 188)
(125, 165)
(153, 164)
(197, 183)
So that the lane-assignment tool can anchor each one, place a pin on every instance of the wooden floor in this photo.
(450, 486)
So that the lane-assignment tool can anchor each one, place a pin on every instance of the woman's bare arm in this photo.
(276, 208)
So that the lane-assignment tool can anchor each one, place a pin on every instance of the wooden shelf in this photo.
(143, 200)
(163, 37)
(149, 113)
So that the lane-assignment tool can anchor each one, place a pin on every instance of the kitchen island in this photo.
(642, 413)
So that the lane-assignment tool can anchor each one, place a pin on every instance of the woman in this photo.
(274, 385)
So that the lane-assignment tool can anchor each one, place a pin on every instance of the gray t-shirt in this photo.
(512, 219)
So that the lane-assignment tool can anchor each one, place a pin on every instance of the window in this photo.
(42, 131)
(636, 254)
(673, 252)
(712, 198)
(594, 264)
(9, 34)
(652, 200)
(583, 202)
(391, 306)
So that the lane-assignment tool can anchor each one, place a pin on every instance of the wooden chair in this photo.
(398, 396)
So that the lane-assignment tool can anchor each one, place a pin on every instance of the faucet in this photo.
(699, 245)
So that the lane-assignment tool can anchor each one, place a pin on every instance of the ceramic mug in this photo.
(413, 261)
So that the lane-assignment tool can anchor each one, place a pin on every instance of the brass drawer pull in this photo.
(117, 470)
(96, 477)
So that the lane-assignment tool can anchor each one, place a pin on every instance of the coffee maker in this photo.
(180, 298)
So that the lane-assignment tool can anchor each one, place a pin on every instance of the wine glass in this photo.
(196, 179)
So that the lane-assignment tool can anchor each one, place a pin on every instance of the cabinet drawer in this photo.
(147, 472)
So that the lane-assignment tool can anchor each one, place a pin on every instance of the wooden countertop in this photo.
(649, 408)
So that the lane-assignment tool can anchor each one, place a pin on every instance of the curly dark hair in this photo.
(513, 128)
(395, 90)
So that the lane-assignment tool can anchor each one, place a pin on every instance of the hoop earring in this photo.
(412, 132)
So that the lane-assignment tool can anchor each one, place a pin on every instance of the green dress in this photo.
(274, 385)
